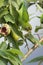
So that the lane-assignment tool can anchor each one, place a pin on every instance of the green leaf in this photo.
(3, 12)
(13, 10)
(2, 21)
(41, 19)
(2, 63)
(16, 58)
(1, 3)
(15, 5)
(6, 3)
(15, 51)
(9, 18)
(41, 1)
(38, 28)
(8, 56)
(40, 58)
(3, 45)
(18, 2)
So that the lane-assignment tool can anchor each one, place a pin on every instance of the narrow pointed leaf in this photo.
(3, 45)
(38, 28)
(40, 58)
(2, 62)
(8, 57)
(1, 3)
(15, 51)
(3, 12)
(9, 18)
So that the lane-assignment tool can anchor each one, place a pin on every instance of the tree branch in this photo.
(31, 50)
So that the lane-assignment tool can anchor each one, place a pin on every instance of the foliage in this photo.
(37, 59)
(13, 19)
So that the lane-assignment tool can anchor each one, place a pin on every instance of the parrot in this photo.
(24, 18)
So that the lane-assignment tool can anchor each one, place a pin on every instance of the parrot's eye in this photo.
(3, 29)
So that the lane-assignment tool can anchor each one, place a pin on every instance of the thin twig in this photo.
(26, 44)
(38, 36)
(31, 50)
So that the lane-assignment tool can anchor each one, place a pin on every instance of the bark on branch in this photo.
(31, 50)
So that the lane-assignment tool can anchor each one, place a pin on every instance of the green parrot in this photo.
(24, 18)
